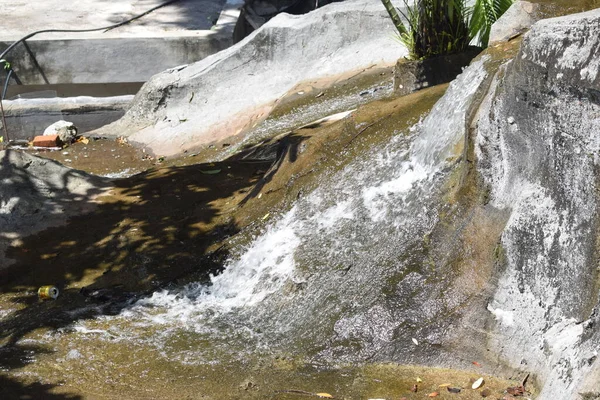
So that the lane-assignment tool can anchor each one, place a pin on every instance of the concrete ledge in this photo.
(173, 35)
(26, 118)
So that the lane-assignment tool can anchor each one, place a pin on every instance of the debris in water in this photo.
(48, 292)
(211, 171)
(122, 140)
(454, 390)
(516, 390)
(415, 341)
(443, 385)
(321, 395)
(319, 95)
(46, 141)
(266, 216)
(434, 394)
(477, 384)
(83, 139)
(486, 392)
(415, 388)
(475, 363)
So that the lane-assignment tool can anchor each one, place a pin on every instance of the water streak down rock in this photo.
(538, 146)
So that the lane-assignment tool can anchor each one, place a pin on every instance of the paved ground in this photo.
(20, 17)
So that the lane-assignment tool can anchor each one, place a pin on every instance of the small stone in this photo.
(73, 355)
(510, 120)
(66, 131)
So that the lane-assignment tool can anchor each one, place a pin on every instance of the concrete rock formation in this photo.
(193, 105)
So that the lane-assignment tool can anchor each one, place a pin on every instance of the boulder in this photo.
(537, 145)
(36, 193)
(517, 19)
(66, 131)
(194, 105)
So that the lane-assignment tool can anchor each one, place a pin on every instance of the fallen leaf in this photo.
(419, 380)
(434, 394)
(486, 392)
(516, 390)
(266, 216)
(454, 390)
(444, 385)
(475, 363)
(325, 395)
(415, 341)
(477, 384)
(415, 388)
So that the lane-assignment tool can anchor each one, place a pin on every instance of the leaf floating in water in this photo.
(486, 392)
(419, 380)
(210, 171)
(325, 395)
(477, 384)
(415, 341)
(434, 394)
(454, 390)
(443, 385)
(266, 216)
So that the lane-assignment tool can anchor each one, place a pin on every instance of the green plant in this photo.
(438, 27)
(484, 14)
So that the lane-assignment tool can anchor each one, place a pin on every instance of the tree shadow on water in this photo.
(17, 356)
(151, 229)
(165, 226)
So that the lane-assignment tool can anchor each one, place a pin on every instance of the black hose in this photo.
(107, 28)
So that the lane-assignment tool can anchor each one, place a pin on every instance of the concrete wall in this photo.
(108, 60)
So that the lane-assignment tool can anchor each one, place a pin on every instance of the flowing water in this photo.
(317, 280)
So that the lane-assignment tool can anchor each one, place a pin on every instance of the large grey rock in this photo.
(518, 18)
(538, 148)
(36, 193)
(218, 97)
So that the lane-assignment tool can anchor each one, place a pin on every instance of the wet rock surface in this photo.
(538, 143)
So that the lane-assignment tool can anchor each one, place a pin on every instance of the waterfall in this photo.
(343, 240)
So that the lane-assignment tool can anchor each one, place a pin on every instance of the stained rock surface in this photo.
(538, 144)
